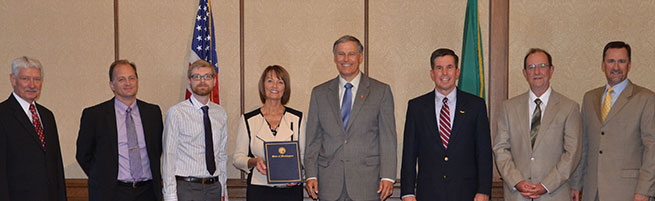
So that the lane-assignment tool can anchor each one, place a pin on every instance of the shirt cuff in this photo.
(408, 195)
(547, 191)
(391, 180)
(310, 179)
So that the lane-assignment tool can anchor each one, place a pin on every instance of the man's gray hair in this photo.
(25, 62)
(347, 38)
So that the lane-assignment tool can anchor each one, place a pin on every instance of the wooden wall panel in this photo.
(74, 42)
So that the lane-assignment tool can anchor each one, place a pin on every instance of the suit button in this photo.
(345, 141)
(445, 158)
(532, 158)
(602, 133)
(601, 152)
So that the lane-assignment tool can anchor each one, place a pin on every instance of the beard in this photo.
(201, 91)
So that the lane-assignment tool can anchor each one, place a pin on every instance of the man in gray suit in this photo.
(538, 139)
(618, 157)
(350, 152)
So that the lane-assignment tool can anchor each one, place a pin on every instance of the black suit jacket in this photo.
(26, 171)
(454, 174)
(97, 147)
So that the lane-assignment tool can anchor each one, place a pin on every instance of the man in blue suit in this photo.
(447, 133)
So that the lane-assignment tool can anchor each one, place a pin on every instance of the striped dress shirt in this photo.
(184, 144)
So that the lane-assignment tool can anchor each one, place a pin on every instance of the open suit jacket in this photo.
(618, 158)
(97, 147)
(26, 171)
(358, 156)
(457, 173)
(556, 151)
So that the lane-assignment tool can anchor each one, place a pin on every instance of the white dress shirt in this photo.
(353, 90)
(26, 107)
(184, 145)
(531, 104)
(452, 105)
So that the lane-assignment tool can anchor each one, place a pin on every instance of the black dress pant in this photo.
(135, 193)
(266, 193)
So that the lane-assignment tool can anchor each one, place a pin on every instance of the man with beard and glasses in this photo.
(195, 136)
(618, 149)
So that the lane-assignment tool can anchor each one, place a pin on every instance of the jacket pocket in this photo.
(323, 162)
(372, 161)
(631, 173)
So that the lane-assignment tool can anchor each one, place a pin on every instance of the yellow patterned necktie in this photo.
(607, 104)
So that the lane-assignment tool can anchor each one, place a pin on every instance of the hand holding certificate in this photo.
(282, 162)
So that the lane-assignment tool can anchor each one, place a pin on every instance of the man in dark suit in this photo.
(30, 157)
(119, 142)
(447, 132)
(350, 151)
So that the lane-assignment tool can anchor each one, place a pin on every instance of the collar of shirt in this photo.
(544, 101)
(452, 97)
(196, 103)
(618, 88)
(121, 108)
(26, 106)
(342, 89)
(452, 105)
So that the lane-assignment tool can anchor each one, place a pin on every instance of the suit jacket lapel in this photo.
(552, 109)
(333, 100)
(596, 97)
(620, 102)
(521, 111)
(460, 114)
(110, 120)
(360, 98)
(431, 119)
(21, 117)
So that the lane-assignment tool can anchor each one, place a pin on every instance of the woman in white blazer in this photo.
(271, 122)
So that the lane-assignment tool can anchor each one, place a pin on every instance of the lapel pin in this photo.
(461, 111)
(362, 96)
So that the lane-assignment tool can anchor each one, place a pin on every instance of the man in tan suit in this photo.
(618, 159)
(538, 139)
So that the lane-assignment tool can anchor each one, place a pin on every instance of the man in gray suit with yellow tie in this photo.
(538, 139)
(618, 158)
(350, 151)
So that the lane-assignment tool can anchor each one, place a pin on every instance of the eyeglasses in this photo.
(534, 66)
(197, 77)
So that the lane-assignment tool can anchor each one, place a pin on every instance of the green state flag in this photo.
(471, 78)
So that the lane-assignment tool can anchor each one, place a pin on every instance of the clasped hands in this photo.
(530, 190)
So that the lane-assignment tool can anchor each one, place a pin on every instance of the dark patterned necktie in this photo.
(209, 141)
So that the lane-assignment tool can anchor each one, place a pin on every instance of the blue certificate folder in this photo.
(282, 162)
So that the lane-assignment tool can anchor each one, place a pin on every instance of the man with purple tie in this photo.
(119, 142)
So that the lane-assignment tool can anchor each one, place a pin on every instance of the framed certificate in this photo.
(283, 162)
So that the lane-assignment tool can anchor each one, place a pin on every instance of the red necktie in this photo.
(444, 123)
(37, 125)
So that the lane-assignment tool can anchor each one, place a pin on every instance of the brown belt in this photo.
(209, 180)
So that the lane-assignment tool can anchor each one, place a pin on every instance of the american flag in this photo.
(203, 45)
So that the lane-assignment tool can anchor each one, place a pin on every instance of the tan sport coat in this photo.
(556, 151)
(618, 158)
